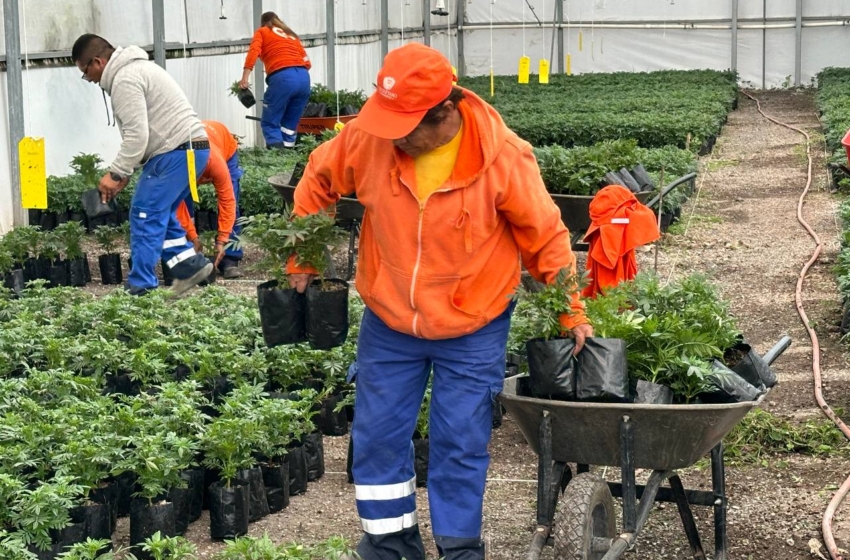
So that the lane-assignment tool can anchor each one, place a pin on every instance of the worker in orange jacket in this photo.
(287, 79)
(224, 172)
(454, 202)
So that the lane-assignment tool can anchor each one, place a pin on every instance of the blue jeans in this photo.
(283, 104)
(154, 230)
(392, 374)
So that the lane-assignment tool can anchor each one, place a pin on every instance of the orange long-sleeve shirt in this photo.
(222, 148)
(276, 49)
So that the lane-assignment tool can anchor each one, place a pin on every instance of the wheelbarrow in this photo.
(575, 514)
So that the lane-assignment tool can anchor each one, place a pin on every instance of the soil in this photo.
(739, 228)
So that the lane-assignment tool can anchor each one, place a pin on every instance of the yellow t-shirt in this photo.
(435, 167)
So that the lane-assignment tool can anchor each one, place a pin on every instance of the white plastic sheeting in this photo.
(70, 113)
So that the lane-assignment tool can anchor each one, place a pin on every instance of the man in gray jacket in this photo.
(157, 126)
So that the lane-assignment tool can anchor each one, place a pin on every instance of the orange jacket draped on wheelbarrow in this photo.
(618, 224)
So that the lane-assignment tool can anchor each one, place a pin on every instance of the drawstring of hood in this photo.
(109, 121)
(394, 182)
(465, 221)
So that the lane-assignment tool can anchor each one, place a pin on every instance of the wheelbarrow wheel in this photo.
(585, 512)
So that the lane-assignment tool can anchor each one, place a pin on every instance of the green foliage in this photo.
(235, 88)
(762, 434)
(37, 510)
(263, 548)
(70, 238)
(657, 109)
(169, 548)
(7, 261)
(96, 549)
(108, 237)
(549, 303)
(672, 332)
(157, 459)
(17, 242)
(88, 167)
(321, 94)
(13, 547)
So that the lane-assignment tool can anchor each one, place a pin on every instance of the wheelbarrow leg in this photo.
(687, 517)
(550, 475)
(718, 480)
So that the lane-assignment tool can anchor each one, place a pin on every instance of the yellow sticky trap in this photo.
(524, 69)
(33, 172)
(580, 41)
(492, 84)
(544, 71)
(569, 65)
(338, 126)
(193, 177)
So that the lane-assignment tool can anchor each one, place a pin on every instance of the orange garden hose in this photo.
(826, 524)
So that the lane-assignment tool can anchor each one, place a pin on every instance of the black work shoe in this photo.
(228, 268)
(182, 285)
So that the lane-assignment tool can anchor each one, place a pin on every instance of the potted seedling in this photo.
(13, 278)
(51, 249)
(245, 97)
(95, 549)
(70, 235)
(109, 261)
(36, 266)
(208, 239)
(275, 418)
(12, 546)
(228, 445)
(41, 514)
(157, 459)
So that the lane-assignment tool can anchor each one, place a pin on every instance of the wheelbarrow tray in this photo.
(667, 437)
(346, 208)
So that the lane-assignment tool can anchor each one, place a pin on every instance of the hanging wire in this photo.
(185, 15)
(523, 26)
(449, 27)
(336, 74)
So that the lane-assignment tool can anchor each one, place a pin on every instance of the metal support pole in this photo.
(718, 484)
(798, 57)
(559, 18)
(461, 59)
(687, 517)
(426, 21)
(159, 32)
(735, 4)
(385, 28)
(330, 28)
(259, 84)
(627, 462)
(764, 45)
(15, 102)
(544, 469)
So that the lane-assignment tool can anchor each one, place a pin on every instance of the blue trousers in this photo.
(154, 230)
(283, 103)
(392, 373)
(236, 174)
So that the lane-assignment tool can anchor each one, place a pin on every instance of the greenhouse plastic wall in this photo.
(617, 35)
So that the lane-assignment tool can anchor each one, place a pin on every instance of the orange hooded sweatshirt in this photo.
(276, 49)
(222, 148)
(444, 269)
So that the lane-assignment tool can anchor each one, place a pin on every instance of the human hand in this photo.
(300, 281)
(243, 83)
(219, 252)
(109, 187)
(196, 244)
(581, 333)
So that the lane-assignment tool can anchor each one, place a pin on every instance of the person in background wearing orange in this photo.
(287, 78)
(223, 172)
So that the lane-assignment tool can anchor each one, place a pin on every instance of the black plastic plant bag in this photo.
(349, 461)
(181, 499)
(211, 476)
(297, 459)
(276, 481)
(93, 206)
(315, 110)
(645, 392)
(257, 505)
(328, 420)
(195, 482)
(246, 98)
(752, 367)
(77, 272)
(283, 314)
(642, 177)
(58, 274)
(612, 178)
(314, 450)
(496, 416)
(146, 520)
(552, 368)
(96, 518)
(107, 495)
(628, 181)
(602, 374)
(730, 387)
(124, 487)
(229, 510)
(421, 452)
(327, 314)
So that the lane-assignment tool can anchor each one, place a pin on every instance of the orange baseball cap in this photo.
(414, 79)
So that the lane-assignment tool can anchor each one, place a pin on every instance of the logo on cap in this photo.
(389, 82)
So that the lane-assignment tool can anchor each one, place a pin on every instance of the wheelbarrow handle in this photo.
(777, 350)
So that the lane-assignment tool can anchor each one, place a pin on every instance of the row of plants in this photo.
(679, 108)
(833, 101)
